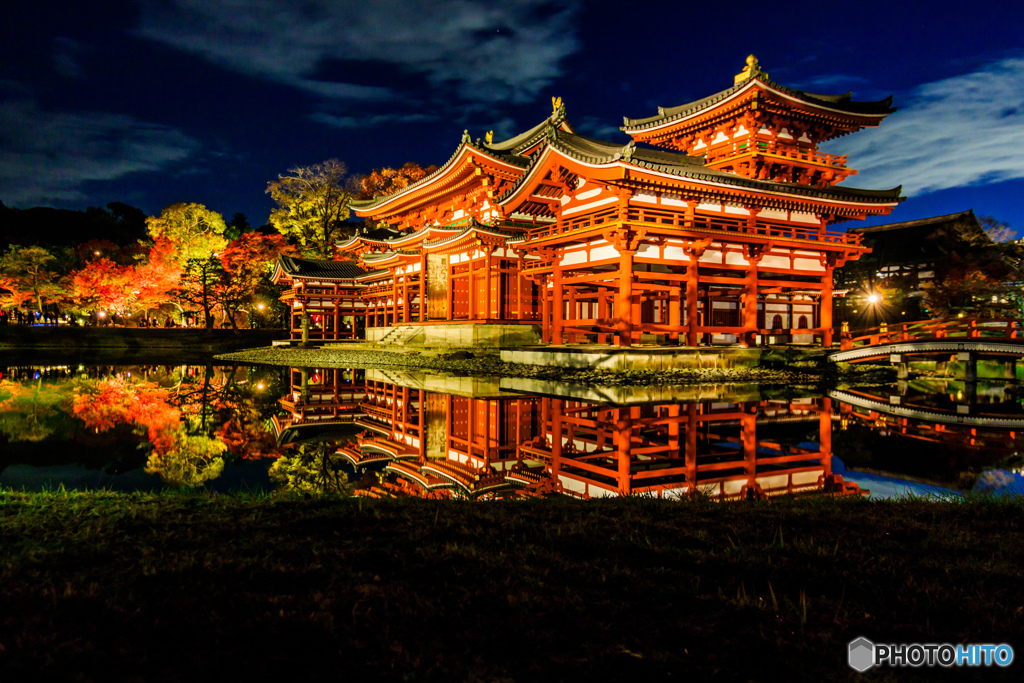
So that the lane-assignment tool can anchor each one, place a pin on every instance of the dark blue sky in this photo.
(151, 102)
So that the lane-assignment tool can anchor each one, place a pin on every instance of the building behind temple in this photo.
(713, 225)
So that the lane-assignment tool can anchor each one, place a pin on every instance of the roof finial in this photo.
(465, 137)
(489, 138)
(556, 104)
(749, 71)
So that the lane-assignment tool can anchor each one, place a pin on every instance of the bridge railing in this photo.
(964, 328)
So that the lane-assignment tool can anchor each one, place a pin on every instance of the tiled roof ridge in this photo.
(844, 101)
(330, 269)
(688, 167)
(916, 223)
(517, 143)
(364, 204)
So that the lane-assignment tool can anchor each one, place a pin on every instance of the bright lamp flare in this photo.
(874, 299)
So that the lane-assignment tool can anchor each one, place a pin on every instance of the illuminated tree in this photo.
(312, 206)
(157, 279)
(101, 283)
(384, 181)
(248, 263)
(27, 273)
(195, 231)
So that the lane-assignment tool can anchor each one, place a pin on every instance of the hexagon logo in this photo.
(861, 654)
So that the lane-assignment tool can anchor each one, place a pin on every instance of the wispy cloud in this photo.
(67, 58)
(368, 121)
(479, 51)
(965, 130)
(592, 126)
(48, 157)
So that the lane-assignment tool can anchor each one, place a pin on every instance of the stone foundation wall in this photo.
(467, 336)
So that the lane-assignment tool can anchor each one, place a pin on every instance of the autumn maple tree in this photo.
(247, 264)
(384, 181)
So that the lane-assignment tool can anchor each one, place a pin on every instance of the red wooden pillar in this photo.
(826, 307)
(624, 300)
(557, 307)
(423, 287)
(487, 282)
(450, 295)
(545, 310)
(472, 315)
(602, 312)
(692, 305)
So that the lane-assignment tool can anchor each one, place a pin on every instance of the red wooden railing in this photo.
(964, 328)
(638, 216)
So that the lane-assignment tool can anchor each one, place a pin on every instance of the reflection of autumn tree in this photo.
(190, 462)
(224, 402)
(180, 458)
(311, 469)
(26, 410)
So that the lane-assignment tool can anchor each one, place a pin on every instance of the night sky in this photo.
(151, 102)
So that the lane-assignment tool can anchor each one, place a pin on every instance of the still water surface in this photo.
(238, 427)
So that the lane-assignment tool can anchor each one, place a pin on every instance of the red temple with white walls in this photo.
(713, 225)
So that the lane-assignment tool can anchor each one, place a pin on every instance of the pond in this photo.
(395, 433)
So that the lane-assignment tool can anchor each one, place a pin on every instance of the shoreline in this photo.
(468, 363)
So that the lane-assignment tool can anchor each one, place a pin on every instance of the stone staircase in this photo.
(401, 335)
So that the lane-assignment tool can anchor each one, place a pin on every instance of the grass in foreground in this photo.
(186, 587)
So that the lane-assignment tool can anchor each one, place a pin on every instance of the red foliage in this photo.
(117, 402)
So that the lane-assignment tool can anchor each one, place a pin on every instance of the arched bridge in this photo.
(969, 338)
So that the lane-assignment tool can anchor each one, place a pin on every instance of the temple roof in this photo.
(372, 235)
(517, 144)
(919, 223)
(599, 152)
(363, 206)
(319, 269)
(842, 103)
(509, 151)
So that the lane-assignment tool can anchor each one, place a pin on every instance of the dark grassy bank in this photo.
(129, 343)
(192, 587)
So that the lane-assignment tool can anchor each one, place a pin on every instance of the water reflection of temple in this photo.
(426, 443)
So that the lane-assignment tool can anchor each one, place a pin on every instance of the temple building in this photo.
(712, 225)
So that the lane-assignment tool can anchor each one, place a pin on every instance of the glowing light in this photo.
(874, 299)
(260, 306)
(96, 252)
(260, 386)
(102, 314)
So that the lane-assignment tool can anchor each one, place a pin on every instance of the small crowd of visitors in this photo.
(19, 317)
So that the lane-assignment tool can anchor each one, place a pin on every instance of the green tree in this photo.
(312, 468)
(313, 205)
(199, 282)
(25, 270)
(195, 231)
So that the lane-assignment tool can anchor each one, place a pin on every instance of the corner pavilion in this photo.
(711, 226)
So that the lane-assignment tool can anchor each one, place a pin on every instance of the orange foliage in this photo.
(115, 402)
(387, 180)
